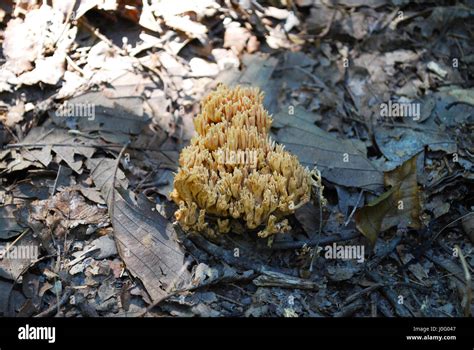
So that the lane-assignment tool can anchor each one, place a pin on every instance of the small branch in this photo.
(96, 32)
(112, 202)
(382, 254)
(313, 242)
(318, 82)
(9, 246)
(192, 288)
(354, 209)
(391, 296)
(38, 145)
(55, 308)
(349, 309)
(358, 294)
(228, 257)
(56, 180)
(318, 186)
(435, 237)
(467, 275)
(328, 27)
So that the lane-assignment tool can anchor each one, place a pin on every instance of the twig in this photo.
(95, 31)
(112, 202)
(228, 257)
(452, 222)
(55, 308)
(318, 82)
(467, 275)
(328, 27)
(373, 305)
(354, 209)
(313, 242)
(391, 296)
(384, 253)
(37, 145)
(275, 279)
(258, 6)
(75, 66)
(318, 237)
(9, 246)
(192, 288)
(318, 188)
(30, 265)
(381, 304)
(367, 290)
(349, 309)
(230, 300)
(56, 180)
(66, 21)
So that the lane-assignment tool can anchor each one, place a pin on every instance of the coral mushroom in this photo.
(233, 173)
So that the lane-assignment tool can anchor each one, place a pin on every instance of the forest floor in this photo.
(97, 101)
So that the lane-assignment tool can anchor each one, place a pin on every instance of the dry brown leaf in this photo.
(186, 25)
(399, 206)
(9, 226)
(48, 70)
(236, 37)
(30, 43)
(66, 210)
(14, 115)
(342, 161)
(146, 240)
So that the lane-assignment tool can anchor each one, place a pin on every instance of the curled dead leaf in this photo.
(399, 206)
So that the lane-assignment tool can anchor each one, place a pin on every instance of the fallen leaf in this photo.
(202, 68)
(64, 144)
(463, 95)
(9, 227)
(147, 242)
(436, 68)
(19, 256)
(66, 210)
(444, 17)
(256, 71)
(340, 161)
(399, 144)
(48, 70)
(14, 114)
(148, 20)
(186, 25)
(399, 206)
(226, 59)
(360, 3)
(106, 246)
(276, 13)
(468, 226)
(236, 37)
(19, 46)
(29, 43)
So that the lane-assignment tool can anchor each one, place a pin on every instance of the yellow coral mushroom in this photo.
(233, 172)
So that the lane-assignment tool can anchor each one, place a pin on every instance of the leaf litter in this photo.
(90, 191)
